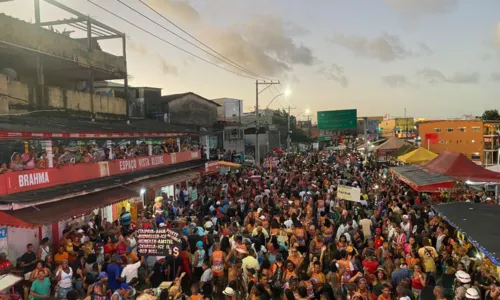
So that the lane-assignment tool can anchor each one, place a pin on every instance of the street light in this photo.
(307, 111)
(286, 94)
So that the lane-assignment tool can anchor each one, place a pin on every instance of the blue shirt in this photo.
(125, 219)
(399, 275)
(113, 271)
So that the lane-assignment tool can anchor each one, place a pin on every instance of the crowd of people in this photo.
(36, 158)
(276, 233)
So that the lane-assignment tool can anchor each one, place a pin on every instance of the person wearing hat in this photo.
(462, 283)
(229, 293)
(198, 259)
(102, 280)
(472, 293)
(122, 292)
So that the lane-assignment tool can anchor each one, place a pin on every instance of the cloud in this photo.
(425, 49)
(423, 7)
(180, 10)
(435, 76)
(168, 69)
(486, 57)
(396, 80)
(495, 76)
(165, 66)
(265, 44)
(384, 48)
(335, 73)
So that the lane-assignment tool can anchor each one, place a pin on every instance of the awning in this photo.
(418, 156)
(402, 151)
(161, 181)
(477, 221)
(54, 212)
(421, 180)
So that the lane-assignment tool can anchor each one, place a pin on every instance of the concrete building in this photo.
(230, 110)
(189, 109)
(372, 127)
(144, 101)
(398, 127)
(477, 139)
(41, 68)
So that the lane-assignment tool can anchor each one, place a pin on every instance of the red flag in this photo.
(433, 138)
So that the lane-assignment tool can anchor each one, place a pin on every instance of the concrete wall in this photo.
(192, 109)
(14, 92)
(30, 36)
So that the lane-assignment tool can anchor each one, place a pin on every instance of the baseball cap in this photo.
(125, 286)
(102, 275)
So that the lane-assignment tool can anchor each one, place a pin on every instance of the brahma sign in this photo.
(16, 182)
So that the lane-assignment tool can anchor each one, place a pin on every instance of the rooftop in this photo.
(168, 98)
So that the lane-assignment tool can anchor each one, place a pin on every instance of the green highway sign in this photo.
(337, 119)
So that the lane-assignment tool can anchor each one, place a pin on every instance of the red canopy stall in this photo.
(458, 166)
(423, 181)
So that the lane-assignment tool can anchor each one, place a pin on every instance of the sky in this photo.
(435, 58)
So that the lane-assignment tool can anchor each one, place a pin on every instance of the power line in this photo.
(169, 43)
(289, 103)
(224, 58)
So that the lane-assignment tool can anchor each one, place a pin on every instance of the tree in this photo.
(280, 118)
(491, 115)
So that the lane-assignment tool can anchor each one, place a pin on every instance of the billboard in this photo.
(337, 119)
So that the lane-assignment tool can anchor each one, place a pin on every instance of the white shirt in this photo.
(65, 281)
(206, 276)
(130, 271)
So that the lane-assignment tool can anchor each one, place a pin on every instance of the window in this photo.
(461, 129)
(437, 129)
(475, 129)
(475, 156)
(449, 129)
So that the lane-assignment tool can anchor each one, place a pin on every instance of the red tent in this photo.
(458, 166)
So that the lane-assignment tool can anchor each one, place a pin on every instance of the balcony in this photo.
(17, 95)
(13, 182)
(17, 34)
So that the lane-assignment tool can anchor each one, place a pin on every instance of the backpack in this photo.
(277, 277)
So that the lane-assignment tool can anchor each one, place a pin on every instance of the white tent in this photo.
(495, 168)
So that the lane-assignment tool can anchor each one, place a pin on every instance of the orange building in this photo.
(477, 139)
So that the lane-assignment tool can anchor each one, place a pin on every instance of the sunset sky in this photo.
(436, 58)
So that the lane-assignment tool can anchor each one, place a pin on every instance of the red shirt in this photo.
(379, 241)
(371, 266)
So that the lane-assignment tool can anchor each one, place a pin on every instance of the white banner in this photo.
(349, 193)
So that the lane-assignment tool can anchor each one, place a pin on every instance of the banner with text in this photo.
(159, 242)
(349, 193)
(16, 182)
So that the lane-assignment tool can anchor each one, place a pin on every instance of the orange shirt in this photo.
(59, 258)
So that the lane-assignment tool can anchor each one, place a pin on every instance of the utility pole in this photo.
(365, 132)
(289, 135)
(257, 127)
(406, 126)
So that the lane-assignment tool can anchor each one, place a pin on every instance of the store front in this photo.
(151, 188)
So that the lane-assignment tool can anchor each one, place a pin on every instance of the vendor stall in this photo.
(421, 180)
(477, 223)
(417, 156)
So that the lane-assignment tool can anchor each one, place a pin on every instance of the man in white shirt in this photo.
(366, 225)
(130, 270)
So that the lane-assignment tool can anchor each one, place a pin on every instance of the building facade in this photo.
(477, 139)
(372, 127)
(230, 110)
(398, 127)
